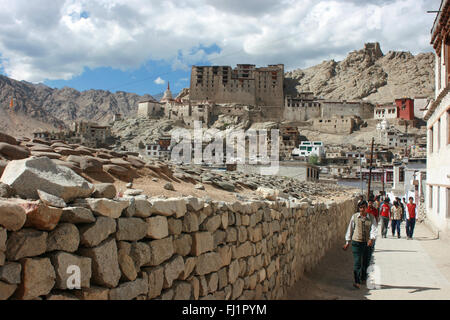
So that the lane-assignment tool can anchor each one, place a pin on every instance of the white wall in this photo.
(438, 166)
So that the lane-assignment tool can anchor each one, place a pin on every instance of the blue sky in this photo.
(138, 80)
(139, 45)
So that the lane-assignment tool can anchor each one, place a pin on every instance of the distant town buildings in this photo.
(245, 84)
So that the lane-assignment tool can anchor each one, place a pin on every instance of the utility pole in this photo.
(360, 173)
(370, 170)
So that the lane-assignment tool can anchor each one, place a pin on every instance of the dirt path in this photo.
(406, 270)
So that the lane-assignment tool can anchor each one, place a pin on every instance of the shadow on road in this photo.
(414, 289)
(331, 279)
(395, 251)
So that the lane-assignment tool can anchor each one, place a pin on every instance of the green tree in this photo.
(313, 159)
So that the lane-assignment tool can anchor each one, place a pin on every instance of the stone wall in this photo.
(180, 248)
(341, 108)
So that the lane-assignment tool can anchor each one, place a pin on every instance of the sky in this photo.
(141, 45)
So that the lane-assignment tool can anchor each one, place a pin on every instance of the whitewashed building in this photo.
(437, 116)
(308, 148)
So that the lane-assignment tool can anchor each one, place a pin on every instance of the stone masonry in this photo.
(181, 248)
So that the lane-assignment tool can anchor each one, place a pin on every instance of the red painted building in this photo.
(405, 108)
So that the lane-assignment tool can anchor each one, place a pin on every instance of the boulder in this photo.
(65, 237)
(120, 162)
(60, 145)
(105, 263)
(225, 185)
(91, 165)
(106, 207)
(93, 293)
(62, 261)
(43, 217)
(183, 244)
(169, 207)
(155, 281)
(84, 151)
(50, 155)
(175, 226)
(13, 152)
(6, 290)
(3, 237)
(133, 192)
(157, 227)
(8, 139)
(25, 243)
(169, 186)
(77, 215)
(172, 271)
(130, 290)
(131, 229)
(61, 296)
(72, 166)
(136, 162)
(127, 266)
(189, 266)
(202, 242)
(104, 190)
(3, 165)
(160, 251)
(38, 278)
(41, 148)
(51, 200)
(40, 141)
(207, 263)
(12, 215)
(93, 234)
(67, 151)
(142, 208)
(140, 253)
(183, 290)
(118, 171)
(11, 273)
(29, 175)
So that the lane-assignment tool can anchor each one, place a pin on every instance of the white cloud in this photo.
(159, 81)
(50, 39)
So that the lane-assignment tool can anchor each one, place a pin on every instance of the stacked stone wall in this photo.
(179, 248)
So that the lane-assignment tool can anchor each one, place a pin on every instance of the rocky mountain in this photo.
(41, 107)
(367, 74)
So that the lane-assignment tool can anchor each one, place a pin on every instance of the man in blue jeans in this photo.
(410, 218)
(362, 232)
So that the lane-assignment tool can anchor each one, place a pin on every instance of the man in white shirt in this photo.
(362, 232)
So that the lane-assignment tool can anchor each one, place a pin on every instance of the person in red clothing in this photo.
(385, 217)
(410, 218)
(371, 209)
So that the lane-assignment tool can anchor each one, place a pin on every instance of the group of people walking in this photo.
(363, 229)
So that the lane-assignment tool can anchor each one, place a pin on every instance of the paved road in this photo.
(403, 269)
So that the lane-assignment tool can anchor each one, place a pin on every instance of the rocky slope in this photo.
(41, 107)
(367, 74)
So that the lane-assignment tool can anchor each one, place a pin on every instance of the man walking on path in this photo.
(397, 216)
(410, 218)
(385, 216)
(362, 232)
